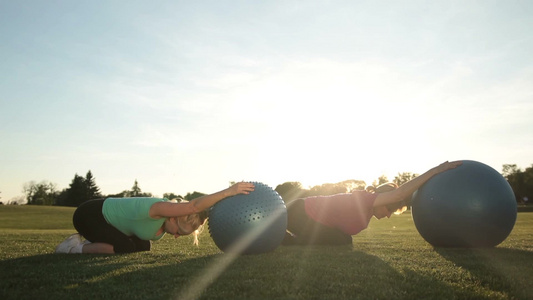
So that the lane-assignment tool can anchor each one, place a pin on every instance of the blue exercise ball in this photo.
(470, 206)
(249, 224)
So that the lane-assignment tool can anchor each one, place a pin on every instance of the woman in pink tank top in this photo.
(332, 220)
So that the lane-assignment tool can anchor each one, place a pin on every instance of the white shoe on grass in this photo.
(71, 242)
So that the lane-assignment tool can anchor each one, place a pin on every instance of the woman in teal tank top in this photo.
(125, 225)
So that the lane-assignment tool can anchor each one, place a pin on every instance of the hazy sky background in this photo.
(188, 95)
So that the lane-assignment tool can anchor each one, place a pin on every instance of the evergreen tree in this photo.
(77, 191)
(93, 191)
(80, 190)
(135, 189)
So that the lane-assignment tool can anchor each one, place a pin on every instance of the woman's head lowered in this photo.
(396, 208)
(185, 225)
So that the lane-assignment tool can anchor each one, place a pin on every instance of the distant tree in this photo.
(381, 180)
(29, 189)
(134, 192)
(194, 195)
(122, 194)
(171, 196)
(135, 189)
(528, 178)
(404, 177)
(353, 185)
(43, 193)
(521, 181)
(510, 169)
(81, 189)
(328, 189)
(92, 190)
(18, 200)
(77, 191)
(62, 198)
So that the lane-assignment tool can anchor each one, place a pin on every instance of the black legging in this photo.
(308, 231)
(91, 224)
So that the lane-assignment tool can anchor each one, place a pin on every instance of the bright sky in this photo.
(188, 95)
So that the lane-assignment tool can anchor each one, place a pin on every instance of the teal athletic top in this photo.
(131, 216)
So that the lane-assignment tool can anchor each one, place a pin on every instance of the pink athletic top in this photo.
(350, 213)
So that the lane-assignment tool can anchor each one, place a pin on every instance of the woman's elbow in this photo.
(194, 207)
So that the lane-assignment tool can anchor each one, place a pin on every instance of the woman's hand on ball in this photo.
(445, 166)
(241, 188)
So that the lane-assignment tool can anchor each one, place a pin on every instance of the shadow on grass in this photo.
(499, 269)
(287, 273)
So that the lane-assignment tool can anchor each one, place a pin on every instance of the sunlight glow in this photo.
(219, 265)
(324, 122)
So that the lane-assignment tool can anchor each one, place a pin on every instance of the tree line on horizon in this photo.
(82, 189)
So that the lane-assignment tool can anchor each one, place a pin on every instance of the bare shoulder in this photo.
(170, 209)
(157, 209)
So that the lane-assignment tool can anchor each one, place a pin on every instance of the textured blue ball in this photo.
(249, 224)
(470, 206)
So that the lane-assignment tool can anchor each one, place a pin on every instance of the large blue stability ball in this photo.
(469, 206)
(249, 224)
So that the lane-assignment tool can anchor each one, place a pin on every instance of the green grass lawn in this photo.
(388, 260)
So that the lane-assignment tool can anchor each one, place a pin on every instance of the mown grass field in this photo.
(389, 260)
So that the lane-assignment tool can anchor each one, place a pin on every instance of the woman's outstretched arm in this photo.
(408, 188)
(168, 209)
